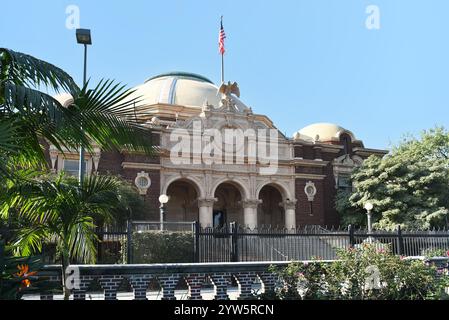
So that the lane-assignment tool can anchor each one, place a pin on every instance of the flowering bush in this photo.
(15, 275)
(366, 272)
(435, 252)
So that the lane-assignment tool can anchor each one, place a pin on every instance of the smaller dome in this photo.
(323, 132)
(64, 98)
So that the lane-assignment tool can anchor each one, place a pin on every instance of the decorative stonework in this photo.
(344, 165)
(142, 182)
(206, 202)
(53, 158)
(310, 190)
(96, 159)
(252, 203)
(288, 204)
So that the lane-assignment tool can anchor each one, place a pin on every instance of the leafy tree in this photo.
(408, 187)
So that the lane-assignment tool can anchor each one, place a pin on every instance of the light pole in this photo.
(368, 207)
(163, 199)
(83, 37)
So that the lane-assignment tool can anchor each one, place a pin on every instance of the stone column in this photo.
(290, 213)
(205, 206)
(250, 213)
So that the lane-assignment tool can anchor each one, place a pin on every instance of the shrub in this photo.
(162, 247)
(435, 252)
(368, 272)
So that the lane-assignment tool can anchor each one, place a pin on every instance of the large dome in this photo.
(174, 88)
(325, 132)
(181, 88)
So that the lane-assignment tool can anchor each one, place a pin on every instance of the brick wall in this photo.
(168, 276)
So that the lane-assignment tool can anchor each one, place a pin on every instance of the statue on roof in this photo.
(228, 101)
(229, 88)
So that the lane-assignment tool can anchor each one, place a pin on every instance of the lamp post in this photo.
(163, 199)
(369, 207)
(83, 37)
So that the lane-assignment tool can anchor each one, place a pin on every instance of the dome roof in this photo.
(181, 88)
(174, 88)
(325, 132)
(64, 98)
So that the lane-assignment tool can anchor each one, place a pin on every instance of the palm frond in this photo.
(29, 240)
(32, 72)
(82, 240)
(107, 117)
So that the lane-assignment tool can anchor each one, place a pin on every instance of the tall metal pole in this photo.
(370, 228)
(82, 164)
(162, 216)
(222, 68)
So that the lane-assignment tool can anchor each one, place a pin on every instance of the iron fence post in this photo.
(351, 235)
(196, 240)
(400, 241)
(129, 246)
(234, 246)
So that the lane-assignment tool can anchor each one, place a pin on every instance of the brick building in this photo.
(308, 168)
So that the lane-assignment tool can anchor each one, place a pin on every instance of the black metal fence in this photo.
(234, 243)
(115, 244)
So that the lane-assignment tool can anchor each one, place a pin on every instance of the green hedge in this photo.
(161, 247)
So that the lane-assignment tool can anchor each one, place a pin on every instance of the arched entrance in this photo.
(270, 212)
(228, 207)
(182, 204)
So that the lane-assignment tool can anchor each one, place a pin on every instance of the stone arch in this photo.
(281, 187)
(240, 185)
(195, 183)
(228, 205)
(271, 212)
(183, 200)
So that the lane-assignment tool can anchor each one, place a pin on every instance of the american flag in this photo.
(221, 38)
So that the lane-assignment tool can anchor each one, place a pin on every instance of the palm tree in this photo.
(61, 211)
(104, 115)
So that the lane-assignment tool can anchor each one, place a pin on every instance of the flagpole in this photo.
(222, 68)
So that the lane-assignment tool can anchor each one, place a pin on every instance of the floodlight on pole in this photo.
(83, 37)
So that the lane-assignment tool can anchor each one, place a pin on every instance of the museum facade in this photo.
(220, 162)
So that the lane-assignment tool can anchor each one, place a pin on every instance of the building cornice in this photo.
(367, 152)
(310, 176)
(139, 165)
(309, 163)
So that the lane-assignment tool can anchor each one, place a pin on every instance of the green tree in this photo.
(408, 187)
(60, 210)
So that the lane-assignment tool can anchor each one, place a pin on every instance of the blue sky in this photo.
(298, 62)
